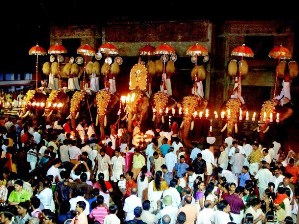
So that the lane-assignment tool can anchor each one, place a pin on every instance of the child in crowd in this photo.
(122, 183)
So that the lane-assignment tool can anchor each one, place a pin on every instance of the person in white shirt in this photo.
(194, 153)
(112, 217)
(223, 158)
(170, 159)
(36, 136)
(172, 191)
(168, 209)
(277, 178)
(79, 197)
(176, 144)
(130, 204)
(74, 152)
(264, 176)
(149, 152)
(222, 214)
(45, 195)
(117, 166)
(266, 155)
(54, 171)
(64, 151)
(102, 164)
(204, 216)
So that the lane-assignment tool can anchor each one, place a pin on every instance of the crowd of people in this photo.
(53, 173)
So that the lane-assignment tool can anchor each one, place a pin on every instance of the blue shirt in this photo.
(181, 169)
(243, 177)
(164, 148)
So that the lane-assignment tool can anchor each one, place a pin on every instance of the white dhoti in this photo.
(209, 168)
(253, 168)
(116, 175)
(70, 84)
(76, 83)
(112, 85)
(94, 83)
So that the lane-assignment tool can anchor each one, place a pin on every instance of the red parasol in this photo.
(242, 51)
(147, 50)
(86, 50)
(197, 50)
(57, 49)
(280, 52)
(164, 49)
(37, 50)
(109, 49)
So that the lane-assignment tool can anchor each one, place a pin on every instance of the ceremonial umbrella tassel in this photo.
(57, 49)
(85, 50)
(198, 73)
(241, 51)
(37, 50)
(279, 53)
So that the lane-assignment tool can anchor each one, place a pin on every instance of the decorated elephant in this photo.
(232, 110)
(163, 105)
(107, 107)
(57, 103)
(33, 104)
(137, 105)
(80, 104)
(190, 106)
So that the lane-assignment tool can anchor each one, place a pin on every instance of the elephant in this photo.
(79, 103)
(232, 109)
(137, 105)
(190, 105)
(57, 103)
(35, 101)
(107, 105)
(163, 105)
(273, 120)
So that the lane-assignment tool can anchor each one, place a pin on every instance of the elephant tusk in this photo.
(26, 114)
(236, 128)
(182, 124)
(124, 117)
(134, 116)
(266, 130)
(97, 120)
(192, 125)
(163, 120)
(154, 117)
(50, 113)
(223, 129)
(68, 117)
(77, 115)
(105, 120)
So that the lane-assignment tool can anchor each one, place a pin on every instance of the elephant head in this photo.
(75, 106)
(107, 103)
(57, 102)
(232, 107)
(189, 106)
(137, 105)
(35, 101)
(162, 105)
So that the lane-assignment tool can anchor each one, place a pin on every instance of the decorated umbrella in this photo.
(279, 52)
(37, 50)
(108, 49)
(242, 51)
(198, 73)
(57, 49)
(147, 50)
(86, 50)
(165, 50)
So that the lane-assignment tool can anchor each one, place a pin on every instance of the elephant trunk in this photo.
(101, 119)
(185, 131)
(130, 122)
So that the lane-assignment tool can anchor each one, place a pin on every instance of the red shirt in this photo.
(294, 171)
(129, 185)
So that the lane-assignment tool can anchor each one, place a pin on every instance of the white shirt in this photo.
(194, 153)
(130, 204)
(74, 152)
(168, 210)
(36, 137)
(170, 160)
(54, 171)
(111, 219)
(73, 203)
(220, 217)
(175, 195)
(176, 146)
(205, 215)
(117, 164)
(64, 153)
(46, 198)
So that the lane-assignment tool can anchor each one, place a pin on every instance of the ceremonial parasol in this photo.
(86, 50)
(164, 49)
(279, 52)
(196, 50)
(37, 50)
(147, 50)
(57, 49)
(108, 49)
(242, 51)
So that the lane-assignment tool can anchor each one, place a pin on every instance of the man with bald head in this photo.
(190, 210)
(131, 203)
(166, 219)
(204, 216)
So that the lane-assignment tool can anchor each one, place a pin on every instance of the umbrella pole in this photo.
(276, 79)
(84, 71)
(36, 72)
